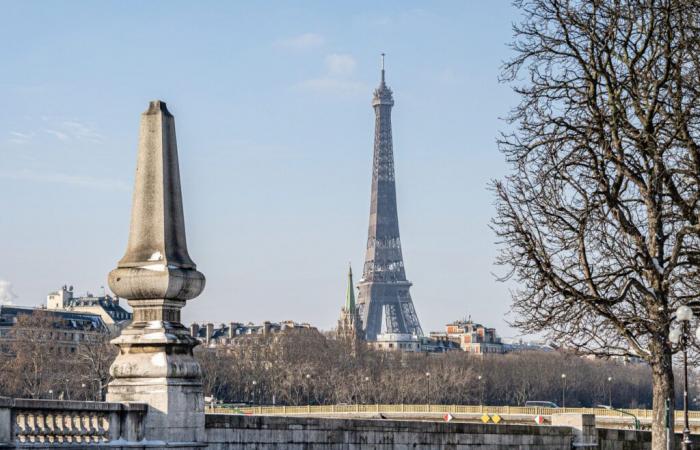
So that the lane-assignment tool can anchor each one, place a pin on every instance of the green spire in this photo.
(350, 294)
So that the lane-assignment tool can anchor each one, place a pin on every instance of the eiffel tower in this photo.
(383, 289)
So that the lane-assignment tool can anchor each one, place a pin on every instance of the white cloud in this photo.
(61, 136)
(71, 130)
(304, 41)
(6, 294)
(20, 138)
(61, 178)
(337, 79)
(81, 131)
(340, 64)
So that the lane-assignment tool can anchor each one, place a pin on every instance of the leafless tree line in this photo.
(38, 361)
(306, 368)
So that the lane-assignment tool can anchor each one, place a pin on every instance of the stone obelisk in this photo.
(155, 364)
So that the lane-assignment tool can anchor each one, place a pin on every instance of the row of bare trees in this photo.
(305, 367)
(38, 361)
(301, 368)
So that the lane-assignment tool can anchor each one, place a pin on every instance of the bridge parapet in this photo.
(48, 423)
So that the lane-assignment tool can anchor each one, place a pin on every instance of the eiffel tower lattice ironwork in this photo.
(384, 290)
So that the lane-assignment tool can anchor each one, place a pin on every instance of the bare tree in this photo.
(94, 355)
(35, 366)
(599, 220)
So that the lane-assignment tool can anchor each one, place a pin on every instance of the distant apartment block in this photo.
(397, 342)
(69, 329)
(227, 334)
(472, 337)
(107, 307)
(412, 343)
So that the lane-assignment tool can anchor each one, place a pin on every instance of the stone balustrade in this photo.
(48, 423)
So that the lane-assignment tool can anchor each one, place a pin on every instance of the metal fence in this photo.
(453, 409)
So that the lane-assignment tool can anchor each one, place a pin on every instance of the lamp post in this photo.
(563, 390)
(610, 391)
(308, 389)
(366, 388)
(681, 336)
(254, 383)
(481, 388)
(427, 375)
(51, 393)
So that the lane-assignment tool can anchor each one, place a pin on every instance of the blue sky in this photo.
(275, 129)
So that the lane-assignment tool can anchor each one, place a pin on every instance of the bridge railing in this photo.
(458, 409)
(48, 423)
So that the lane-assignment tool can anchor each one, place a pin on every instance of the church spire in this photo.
(350, 293)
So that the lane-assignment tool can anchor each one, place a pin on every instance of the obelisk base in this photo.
(175, 408)
(156, 366)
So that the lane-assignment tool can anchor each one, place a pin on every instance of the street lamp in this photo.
(681, 335)
(563, 390)
(427, 375)
(610, 391)
(254, 383)
(481, 388)
(308, 389)
(82, 387)
(51, 393)
(365, 389)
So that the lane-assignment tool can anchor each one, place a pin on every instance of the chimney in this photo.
(209, 332)
(231, 330)
(194, 330)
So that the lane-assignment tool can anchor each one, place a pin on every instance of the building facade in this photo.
(472, 337)
(397, 342)
(228, 334)
(107, 307)
(68, 329)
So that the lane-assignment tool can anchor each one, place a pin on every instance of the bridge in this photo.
(605, 417)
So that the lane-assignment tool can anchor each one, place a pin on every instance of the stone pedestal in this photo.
(176, 408)
(155, 364)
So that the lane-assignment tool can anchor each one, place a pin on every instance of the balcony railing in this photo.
(49, 423)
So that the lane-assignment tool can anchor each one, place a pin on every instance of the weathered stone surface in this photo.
(155, 364)
(226, 432)
(583, 425)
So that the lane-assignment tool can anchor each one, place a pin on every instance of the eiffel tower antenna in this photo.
(383, 68)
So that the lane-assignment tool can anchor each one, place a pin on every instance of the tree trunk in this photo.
(662, 388)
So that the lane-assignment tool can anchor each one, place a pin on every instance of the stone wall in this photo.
(234, 432)
(633, 440)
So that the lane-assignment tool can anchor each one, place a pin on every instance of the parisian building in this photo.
(105, 306)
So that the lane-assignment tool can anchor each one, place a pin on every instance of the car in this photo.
(540, 404)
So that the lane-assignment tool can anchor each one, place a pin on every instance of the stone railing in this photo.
(48, 423)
